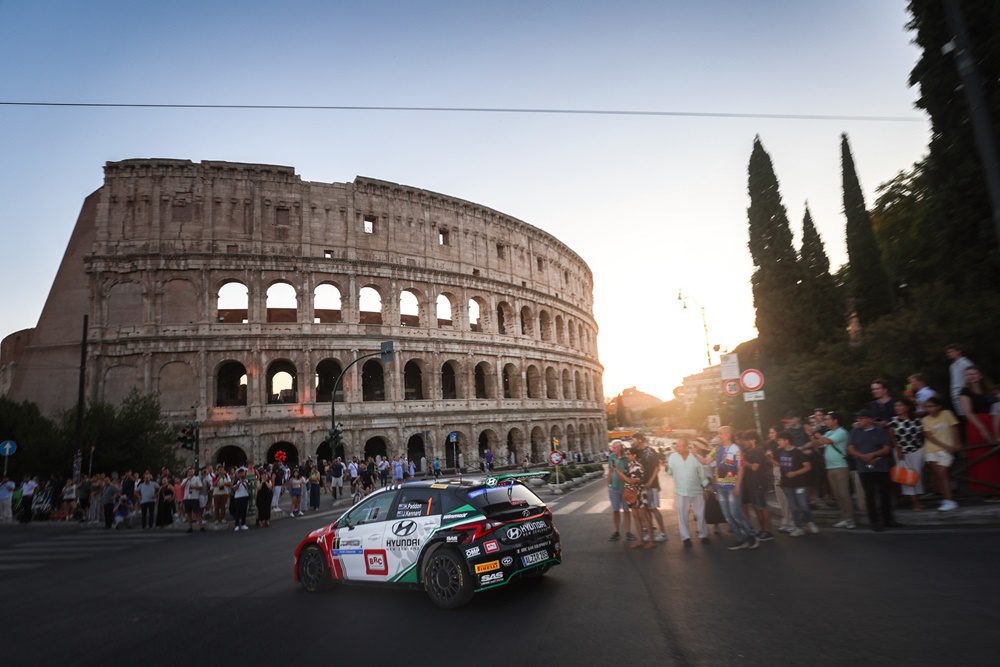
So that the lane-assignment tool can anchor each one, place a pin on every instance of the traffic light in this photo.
(336, 435)
(186, 436)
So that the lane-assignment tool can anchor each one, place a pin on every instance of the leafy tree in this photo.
(621, 412)
(777, 276)
(825, 308)
(902, 230)
(40, 446)
(869, 282)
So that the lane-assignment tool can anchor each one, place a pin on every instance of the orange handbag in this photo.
(903, 475)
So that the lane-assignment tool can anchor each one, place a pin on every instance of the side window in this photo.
(451, 500)
(418, 502)
(372, 510)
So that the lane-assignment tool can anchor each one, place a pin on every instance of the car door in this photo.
(360, 541)
(415, 517)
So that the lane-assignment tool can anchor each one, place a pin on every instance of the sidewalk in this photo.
(971, 512)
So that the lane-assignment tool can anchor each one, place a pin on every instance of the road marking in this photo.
(600, 507)
(569, 507)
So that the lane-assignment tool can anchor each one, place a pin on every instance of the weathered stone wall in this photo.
(154, 246)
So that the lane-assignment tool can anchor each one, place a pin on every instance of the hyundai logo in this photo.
(404, 528)
(513, 533)
(507, 561)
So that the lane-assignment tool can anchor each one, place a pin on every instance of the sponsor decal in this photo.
(404, 528)
(346, 552)
(402, 543)
(507, 561)
(514, 533)
(492, 481)
(532, 547)
(472, 553)
(488, 567)
(459, 515)
(376, 562)
(406, 510)
(526, 529)
(350, 543)
(494, 578)
(439, 486)
(451, 538)
(537, 557)
(491, 546)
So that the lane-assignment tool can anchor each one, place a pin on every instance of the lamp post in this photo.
(683, 298)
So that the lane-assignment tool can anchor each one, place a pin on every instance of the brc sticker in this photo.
(494, 578)
(491, 546)
(488, 567)
(537, 557)
(472, 553)
(376, 562)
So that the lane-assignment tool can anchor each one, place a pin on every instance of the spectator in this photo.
(179, 498)
(941, 442)
(68, 499)
(264, 495)
(651, 479)
(220, 496)
(279, 480)
(314, 489)
(633, 478)
(871, 448)
(128, 488)
(795, 467)
(728, 480)
(83, 498)
(907, 434)
(336, 478)
(7, 487)
(191, 487)
(617, 462)
(834, 444)
(756, 479)
(995, 411)
(977, 399)
(437, 467)
(713, 510)
(28, 488)
(921, 392)
(355, 472)
(882, 404)
(793, 425)
(241, 498)
(109, 500)
(121, 511)
(383, 470)
(146, 494)
(165, 503)
(488, 459)
(295, 486)
(771, 452)
(412, 469)
(956, 374)
(689, 488)
(397, 470)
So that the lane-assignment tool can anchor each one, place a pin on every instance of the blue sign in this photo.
(8, 447)
(453, 437)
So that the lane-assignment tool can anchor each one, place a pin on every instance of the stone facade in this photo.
(182, 268)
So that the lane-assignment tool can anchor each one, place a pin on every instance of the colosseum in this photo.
(238, 292)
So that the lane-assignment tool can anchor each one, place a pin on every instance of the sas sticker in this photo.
(491, 546)
(376, 562)
(488, 567)
(494, 578)
(451, 538)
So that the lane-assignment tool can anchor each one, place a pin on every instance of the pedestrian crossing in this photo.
(35, 553)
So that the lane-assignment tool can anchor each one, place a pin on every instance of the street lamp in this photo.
(683, 298)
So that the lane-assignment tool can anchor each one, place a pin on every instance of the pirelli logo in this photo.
(488, 567)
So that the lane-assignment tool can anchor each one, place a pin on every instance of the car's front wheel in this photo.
(447, 582)
(314, 575)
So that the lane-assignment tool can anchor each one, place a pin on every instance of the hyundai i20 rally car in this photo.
(452, 538)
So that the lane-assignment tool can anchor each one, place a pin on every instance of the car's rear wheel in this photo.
(447, 582)
(314, 575)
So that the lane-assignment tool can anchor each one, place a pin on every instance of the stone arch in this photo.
(580, 392)
(539, 445)
(416, 450)
(511, 381)
(534, 381)
(327, 371)
(290, 450)
(413, 381)
(370, 304)
(572, 444)
(488, 439)
(125, 305)
(478, 314)
(485, 380)
(282, 302)
(230, 384)
(119, 381)
(409, 307)
(176, 386)
(515, 444)
(567, 384)
(597, 387)
(376, 445)
(231, 456)
(572, 333)
(372, 381)
(560, 333)
(282, 382)
(551, 383)
(555, 431)
(451, 380)
(527, 321)
(505, 318)
(179, 303)
(232, 303)
(445, 308)
(450, 449)
(545, 325)
(328, 304)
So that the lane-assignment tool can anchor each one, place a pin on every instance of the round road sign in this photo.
(555, 458)
(731, 387)
(752, 380)
(8, 447)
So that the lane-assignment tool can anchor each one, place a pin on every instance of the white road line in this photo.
(569, 507)
(600, 507)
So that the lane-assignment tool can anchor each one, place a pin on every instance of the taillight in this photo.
(473, 532)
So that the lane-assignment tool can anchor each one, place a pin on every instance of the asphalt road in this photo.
(76, 596)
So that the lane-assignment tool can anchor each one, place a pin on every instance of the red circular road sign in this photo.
(752, 379)
(731, 387)
(555, 458)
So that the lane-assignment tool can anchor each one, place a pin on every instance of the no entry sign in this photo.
(752, 380)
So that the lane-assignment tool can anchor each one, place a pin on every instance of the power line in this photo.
(509, 110)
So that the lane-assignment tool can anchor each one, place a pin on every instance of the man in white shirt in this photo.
(921, 392)
(7, 487)
(956, 372)
(192, 486)
(27, 497)
(352, 470)
(689, 488)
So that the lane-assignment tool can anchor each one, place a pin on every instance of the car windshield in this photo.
(493, 499)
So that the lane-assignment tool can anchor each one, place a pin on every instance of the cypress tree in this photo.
(869, 283)
(828, 318)
(776, 278)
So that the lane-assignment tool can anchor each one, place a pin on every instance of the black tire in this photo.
(314, 575)
(448, 584)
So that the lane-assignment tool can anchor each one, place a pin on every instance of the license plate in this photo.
(537, 557)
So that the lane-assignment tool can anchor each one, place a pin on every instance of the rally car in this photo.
(452, 538)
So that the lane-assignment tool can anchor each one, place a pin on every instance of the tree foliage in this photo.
(825, 312)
